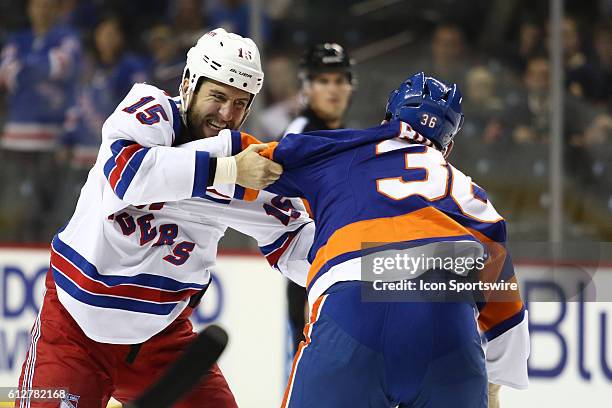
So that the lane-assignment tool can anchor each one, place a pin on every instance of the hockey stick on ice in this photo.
(186, 371)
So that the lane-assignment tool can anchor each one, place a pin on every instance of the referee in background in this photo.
(327, 81)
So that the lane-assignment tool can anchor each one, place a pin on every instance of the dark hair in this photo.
(603, 27)
(325, 57)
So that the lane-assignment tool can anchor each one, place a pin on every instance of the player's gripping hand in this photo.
(254, 171)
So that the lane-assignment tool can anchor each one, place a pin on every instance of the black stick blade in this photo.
(186, 371)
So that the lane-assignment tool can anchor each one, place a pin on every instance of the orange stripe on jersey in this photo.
(314, 316)
(307, 206)
(268, 153)
(497, 312)
(425, 223)
(495, 263)
(246, 140)
(501, 305)
(250, 194)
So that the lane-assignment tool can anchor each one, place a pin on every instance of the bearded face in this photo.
(215, 107)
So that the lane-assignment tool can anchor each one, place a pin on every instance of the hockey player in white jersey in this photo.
(135, 257)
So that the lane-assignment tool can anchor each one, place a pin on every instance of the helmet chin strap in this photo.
(246, 113)
(185, 102)
(448, 149)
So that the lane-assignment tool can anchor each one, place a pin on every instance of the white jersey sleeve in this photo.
(222, 145)
(137, 156)
(227, 143)
(282, 227)
(283, 230)
(507, 354)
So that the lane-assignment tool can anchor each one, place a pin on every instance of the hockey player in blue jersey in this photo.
(391, 187)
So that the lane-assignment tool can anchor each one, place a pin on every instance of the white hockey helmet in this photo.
(224, 57)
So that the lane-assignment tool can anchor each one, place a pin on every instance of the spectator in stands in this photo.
(38, 69)
(141, 15)
(529, 43)
(111, 73)
(187, 22)
(114, 62)
(167, 62)
(448, 53)
(235, 16)
(483, 109)
(531, 110)
(580, 74)
(583, 125)
(602, 43)
(81, 15)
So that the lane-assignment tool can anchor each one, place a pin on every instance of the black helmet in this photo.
(326, 57)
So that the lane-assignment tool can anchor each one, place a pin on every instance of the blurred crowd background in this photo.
(66, 64)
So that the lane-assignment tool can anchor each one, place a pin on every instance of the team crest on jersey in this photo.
(70, 401)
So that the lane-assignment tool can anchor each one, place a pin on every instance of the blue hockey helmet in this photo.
(429, 106)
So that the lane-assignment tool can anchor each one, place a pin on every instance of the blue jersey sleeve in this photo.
(286, 185)
(301, 154)
(300, 149)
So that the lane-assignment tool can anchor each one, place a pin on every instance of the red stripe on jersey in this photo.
(274, 256)
(126, 291)
(120, 162)
(212, 190)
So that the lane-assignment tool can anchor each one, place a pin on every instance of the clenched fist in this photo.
(254, 171)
